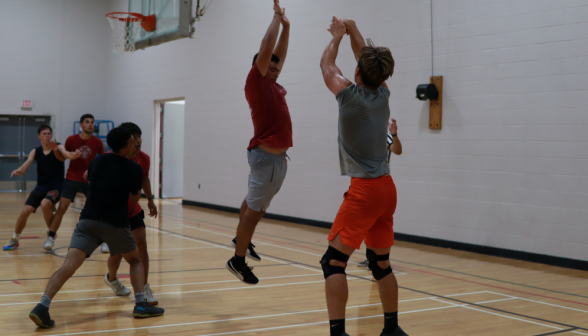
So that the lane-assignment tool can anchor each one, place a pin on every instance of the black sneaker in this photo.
(242, 272)
(250, 251)
(397, 332)
(40, 315)
(144, 310)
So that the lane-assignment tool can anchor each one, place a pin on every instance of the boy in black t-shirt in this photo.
(104, 219)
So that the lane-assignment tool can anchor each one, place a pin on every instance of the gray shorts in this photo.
(89, 234)
(268, 172)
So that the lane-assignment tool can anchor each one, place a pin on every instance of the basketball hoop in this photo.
(126, 26)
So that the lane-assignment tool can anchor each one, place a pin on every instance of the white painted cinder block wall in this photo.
(509, 168)
(53, 53)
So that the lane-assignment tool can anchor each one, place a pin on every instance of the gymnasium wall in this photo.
(53, 53)
(509, 169)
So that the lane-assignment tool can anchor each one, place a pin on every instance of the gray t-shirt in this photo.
(363, 131)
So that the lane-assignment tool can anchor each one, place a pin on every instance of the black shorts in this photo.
(137, 221)
(37, 196)
(71, 188)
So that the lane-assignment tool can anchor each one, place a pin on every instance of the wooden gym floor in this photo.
(443, 292)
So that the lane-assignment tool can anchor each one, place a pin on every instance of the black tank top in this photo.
(50, 171)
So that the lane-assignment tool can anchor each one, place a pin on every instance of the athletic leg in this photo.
(246, 228)
(113, 264)
(243, 209)
(136, 270)
(58, 216)
(379, 264)
(140, 235)
(40, 314)
(142, 308)
(21, 221)
(114, 261)
(336, 284)
(46, 207)
(387, 285)
(75, 258)
(250, 252)
(382, 234)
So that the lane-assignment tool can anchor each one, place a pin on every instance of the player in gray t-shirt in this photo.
(369, 204)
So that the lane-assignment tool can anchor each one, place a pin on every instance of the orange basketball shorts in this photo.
(367, 213)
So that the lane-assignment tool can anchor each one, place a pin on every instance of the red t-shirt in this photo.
(89, 148)
(271, 118)
(145, 162)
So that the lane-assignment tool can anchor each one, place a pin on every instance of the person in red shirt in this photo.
(136, 216)
(272, 137)
(88, 146)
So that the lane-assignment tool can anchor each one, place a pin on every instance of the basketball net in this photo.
(125, 26)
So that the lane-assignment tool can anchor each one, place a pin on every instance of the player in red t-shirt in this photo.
(136, 216)
(88, 146)
(272, 138)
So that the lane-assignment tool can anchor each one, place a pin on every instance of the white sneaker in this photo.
(49, 243)
(104, 248)
(149, 295)
(118, 288)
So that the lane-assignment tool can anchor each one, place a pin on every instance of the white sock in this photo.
(15, 236)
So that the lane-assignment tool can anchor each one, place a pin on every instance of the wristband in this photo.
(394, 135)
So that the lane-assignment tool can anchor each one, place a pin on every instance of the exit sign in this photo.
(27, 104)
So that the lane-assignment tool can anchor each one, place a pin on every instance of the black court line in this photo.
(557, 332)
(406, 288)
(160, 272)
(397, 260)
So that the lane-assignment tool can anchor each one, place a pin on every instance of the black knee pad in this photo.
(377, 271)
(333, 254)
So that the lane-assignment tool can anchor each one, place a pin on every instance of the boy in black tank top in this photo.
(50, 174)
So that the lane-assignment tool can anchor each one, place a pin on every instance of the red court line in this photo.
(16, 282)
(124, 276)
(411, 269)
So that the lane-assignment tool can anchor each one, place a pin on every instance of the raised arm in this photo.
(67, 154)
(357, 41)
(54, 148)
(269, 40)
(282, 48)
(25, 166)
(331, 73)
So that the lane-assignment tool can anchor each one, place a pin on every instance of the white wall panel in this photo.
(509, 168)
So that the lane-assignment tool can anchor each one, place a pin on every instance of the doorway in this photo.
(18, 136)
(169, 148)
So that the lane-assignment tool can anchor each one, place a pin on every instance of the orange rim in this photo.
(137, 17)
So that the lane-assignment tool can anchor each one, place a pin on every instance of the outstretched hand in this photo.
(16, 172)
(337, 27)
(53, 144)
(76, 154)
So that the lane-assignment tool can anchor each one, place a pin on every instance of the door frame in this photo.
(156, 161)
